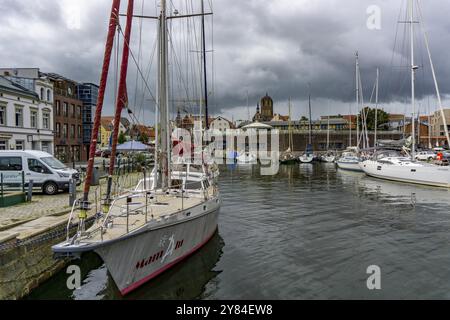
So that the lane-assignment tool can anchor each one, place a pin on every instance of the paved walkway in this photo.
(43, 205)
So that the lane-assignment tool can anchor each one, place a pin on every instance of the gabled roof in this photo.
(11, 86)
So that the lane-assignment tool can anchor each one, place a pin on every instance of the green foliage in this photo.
(382, 117)
(143, 137)
(121, 139)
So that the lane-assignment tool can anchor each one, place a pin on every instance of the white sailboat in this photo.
(288, 157)
(405, 169)
(329, 156)
(308, 156)
(350, 159)
(163, 220)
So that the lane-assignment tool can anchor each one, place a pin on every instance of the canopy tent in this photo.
(132, 146)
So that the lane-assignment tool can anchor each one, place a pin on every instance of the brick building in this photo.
(67, 111)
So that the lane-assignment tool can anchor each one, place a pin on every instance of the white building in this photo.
(221, 124)
(26, 114)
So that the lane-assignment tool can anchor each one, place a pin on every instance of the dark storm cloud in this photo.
(260, 45)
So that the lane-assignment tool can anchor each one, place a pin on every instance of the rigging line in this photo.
(139, 61)
(140, 72)
(395, 45)
(436, 85)
(148, 73)
(178, 65)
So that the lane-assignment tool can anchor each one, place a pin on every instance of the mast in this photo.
(357, 99)
(376, 109)
(163, 99)
(350, 136)
(310, 121)
(328, 133)
(113, 20)
(205, 79)
(122, 92)
(290, 128)
(413, 75)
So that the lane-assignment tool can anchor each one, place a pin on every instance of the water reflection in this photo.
(187, 280)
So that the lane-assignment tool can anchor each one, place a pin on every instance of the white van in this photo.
(46, 172)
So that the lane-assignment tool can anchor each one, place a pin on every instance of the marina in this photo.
(136, 170)
(308, 233)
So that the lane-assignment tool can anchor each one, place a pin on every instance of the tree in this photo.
(304, 118)
(382, 118)
(143, 137)
(121, 139)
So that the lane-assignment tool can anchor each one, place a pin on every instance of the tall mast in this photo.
(376, 109)
(413, 75)
(357, 99)
(122, 92)
(290, 128)
(163, 98)
(328, 132)
(350, 136)
(205, 79)
(101, 95)
(310, 121)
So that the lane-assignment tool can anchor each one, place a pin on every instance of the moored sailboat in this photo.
(406, 169)
(145, 231)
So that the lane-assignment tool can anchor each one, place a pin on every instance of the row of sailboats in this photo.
(170, 214)
(401, 165)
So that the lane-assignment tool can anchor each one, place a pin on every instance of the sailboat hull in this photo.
(140, 258)
(420, 174)
(351, 166)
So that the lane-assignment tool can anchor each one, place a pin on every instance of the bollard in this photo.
(30, 191)
(72, 192)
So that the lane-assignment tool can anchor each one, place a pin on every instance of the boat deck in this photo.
(159, 208)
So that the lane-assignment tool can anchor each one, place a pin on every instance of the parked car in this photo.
(46, 172)
(106, 153)
(425, 156)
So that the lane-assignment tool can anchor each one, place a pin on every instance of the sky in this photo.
(254, 46)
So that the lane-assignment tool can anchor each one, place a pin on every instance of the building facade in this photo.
(88, 93)
(68, 120)
(26, 117)
(437, 127)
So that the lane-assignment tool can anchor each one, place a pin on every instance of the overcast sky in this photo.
(274, 46)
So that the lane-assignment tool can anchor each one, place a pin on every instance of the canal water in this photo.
(309, 232)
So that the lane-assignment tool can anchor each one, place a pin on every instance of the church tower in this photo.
(266, 108)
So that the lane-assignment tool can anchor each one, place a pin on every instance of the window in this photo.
(10, 164)
(65, 130)
(72, 131)
(42, 93)
(58, 108)
(79, 132)
(79, 112)
(74, 115)
(46, 146)
(2, 144)
(19, 117)
(37, 166)
(66, 109)
(3, 116)
(46, 119)
(58, 129)
(19, 145)
(49, 96)
(33, 118)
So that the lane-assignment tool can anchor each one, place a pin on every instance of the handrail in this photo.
(75, 203)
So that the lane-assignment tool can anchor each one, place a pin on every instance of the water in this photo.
(308, 233)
